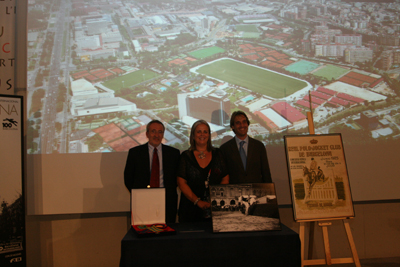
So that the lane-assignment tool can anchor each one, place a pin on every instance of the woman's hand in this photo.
(182, 183)
(203, 204)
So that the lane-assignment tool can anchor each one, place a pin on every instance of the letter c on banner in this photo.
(4, 49)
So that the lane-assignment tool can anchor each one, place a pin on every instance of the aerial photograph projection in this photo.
(100, 70)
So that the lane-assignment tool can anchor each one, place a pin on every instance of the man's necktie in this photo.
(243, 154)
(155, 170)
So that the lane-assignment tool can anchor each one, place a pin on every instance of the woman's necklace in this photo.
(202, 155)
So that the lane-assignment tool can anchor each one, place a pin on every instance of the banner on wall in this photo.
(7, 46)
(12, 208)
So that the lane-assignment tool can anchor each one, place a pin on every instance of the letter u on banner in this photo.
(7, 46)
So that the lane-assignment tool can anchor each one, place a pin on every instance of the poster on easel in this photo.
(12, 207)
(319, 181)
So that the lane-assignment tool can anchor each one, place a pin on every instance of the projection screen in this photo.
(99, 71)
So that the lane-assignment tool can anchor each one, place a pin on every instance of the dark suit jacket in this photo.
(137, 174)
(257, 169)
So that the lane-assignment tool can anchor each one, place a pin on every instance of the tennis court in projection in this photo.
(256, 79)
(302, 67)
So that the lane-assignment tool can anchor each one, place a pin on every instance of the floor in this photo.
(384, 262)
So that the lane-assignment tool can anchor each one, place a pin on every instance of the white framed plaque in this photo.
(319, 182)
(148, 212)
(148, 206)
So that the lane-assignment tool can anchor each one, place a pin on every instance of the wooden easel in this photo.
(328, 259)
(324, 223)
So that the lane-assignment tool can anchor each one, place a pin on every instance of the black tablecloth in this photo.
(196, 245)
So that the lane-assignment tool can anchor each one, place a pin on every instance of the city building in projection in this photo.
(212, 108)
(88, 100)
(209, 104)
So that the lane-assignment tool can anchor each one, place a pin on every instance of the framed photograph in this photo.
(318, 176)
(244, 208)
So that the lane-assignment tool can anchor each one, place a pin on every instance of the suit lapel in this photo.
(164, 156)
(146, 160)
(250, 151)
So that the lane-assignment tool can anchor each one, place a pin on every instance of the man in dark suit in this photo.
(138, 168)
(245, 157)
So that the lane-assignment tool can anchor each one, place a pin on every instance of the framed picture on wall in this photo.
(319, 182)
(244, 208)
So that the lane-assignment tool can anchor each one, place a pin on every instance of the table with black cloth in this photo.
(195, 244)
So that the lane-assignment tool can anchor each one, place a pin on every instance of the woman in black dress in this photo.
(199, 166)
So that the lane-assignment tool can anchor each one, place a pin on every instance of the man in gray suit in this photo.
(245, 157)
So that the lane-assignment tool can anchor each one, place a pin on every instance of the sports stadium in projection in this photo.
(253, 78)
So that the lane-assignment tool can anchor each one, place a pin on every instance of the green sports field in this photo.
(129, 79)
(206, 52)
(302, 67)
(248, 31)
(247, 28)
(330, 72)
(251, 35)
(257, 80)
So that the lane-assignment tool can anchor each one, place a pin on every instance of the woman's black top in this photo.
(195, 176)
